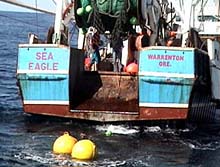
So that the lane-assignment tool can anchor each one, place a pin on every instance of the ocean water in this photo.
(27, 140)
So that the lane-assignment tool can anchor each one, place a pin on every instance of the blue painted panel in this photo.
(43, 59)
(161, 90)
(167, 60)
(44, 87)
(40, 73)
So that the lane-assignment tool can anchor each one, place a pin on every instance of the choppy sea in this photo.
(27, 140)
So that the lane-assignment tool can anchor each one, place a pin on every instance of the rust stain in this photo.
(108, 116)
(163, 113)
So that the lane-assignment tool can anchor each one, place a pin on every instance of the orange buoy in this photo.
(169, 42)
(172, 33)
(132, 68)
(87, 63)
(64, 144)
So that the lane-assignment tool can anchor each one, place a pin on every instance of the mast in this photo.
(58, 22)
(217, 4)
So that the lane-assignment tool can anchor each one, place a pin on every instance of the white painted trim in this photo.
(42, 46)
(168, 48)
(46, 102)
(42, 71)
(166, 74)
(170, 105)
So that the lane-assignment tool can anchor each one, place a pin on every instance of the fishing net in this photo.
(106, 15)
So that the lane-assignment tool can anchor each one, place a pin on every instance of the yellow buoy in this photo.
(84, 150)
(64, 144)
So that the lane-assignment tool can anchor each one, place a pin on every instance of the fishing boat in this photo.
(112, 74)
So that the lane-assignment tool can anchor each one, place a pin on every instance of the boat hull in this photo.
(160, 91)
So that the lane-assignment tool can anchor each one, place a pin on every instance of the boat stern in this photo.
(43, 78)
(166, 78)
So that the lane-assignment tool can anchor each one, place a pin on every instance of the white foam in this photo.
(152, 129)
(118, 129)
(50, 158)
